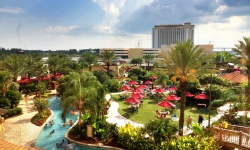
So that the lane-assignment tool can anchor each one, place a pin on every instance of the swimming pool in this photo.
(49, 142)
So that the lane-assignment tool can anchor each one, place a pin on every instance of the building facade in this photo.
(130, 53)
(171, 34)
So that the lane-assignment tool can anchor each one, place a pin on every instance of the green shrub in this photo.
(112, 85)
(13, 112)
(217, 103)
(133, 138)
(41, 104)
(40, 117)
(14, 97)
(5, 102)
(196, 142)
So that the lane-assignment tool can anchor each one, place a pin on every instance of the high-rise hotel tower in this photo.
(168, 34)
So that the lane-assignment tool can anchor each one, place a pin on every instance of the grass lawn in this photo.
(148, 111)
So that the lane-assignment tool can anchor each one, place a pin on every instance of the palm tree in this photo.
(4, 78)
(57, 63)
(15, 65)
(183, 61)
(38, 70)
(88, 59)
(84, 92)
(107, 56)
(148, 58)
(243, 49)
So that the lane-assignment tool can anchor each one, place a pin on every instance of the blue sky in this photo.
(80, 24)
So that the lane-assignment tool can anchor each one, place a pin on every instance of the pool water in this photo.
(48, 142)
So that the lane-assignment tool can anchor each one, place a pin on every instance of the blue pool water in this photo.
(47, 142)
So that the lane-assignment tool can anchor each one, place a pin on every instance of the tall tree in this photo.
(57, 62)
(184, 61)
(148, 58)
(15, 65)
(83, 91)
(88, 59)
(243, 49)
(107, 56)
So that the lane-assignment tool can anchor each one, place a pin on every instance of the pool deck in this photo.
(20, 131)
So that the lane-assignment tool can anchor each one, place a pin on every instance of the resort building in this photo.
(130, 53)
(168, 34)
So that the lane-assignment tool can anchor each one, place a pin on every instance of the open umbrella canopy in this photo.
(174, 88)
(132, 82)
(201, 96)
(136, 91)
(141, 86)
(160, 90)
(188, 94)
(132, 100)
(153, 77)
(148, 82)
(137, 95)
(166, 104)
(172, 97)
(125, 88)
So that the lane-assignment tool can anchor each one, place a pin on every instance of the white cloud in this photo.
(59, 29)
(112, 9)
(102, 29)
(224, 34)
(13, 10)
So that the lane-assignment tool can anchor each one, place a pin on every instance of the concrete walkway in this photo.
(19, 130)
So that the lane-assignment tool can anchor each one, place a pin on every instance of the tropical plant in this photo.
(14, 97)
(112, 85)
(101, 76)
(4, 79)
(160, 130)
(148, 58)
(88, 60)
(139, 72)
(107, 56)
(41, 104)
(15, 65)
(57, 62)
(184, 61)
(196, 142)
(84, 92)
(243, 49)
(136, 61)
(13, 86)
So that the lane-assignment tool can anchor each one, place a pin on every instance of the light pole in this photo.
(210, 97)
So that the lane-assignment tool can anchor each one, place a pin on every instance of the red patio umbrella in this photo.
(153, 77)
(132, 100)
(166, 104)
(201, 96)
(141, 86)
(188, 94)
(172, 97)
(137, 95)
(172, 88)
(132, 82)
(136, 91)
(160, 90)
(125, 88)
(148, 82)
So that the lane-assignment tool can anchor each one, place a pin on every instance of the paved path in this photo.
(19, 130)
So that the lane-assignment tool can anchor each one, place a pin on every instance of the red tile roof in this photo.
(235, 77)
(5, 145)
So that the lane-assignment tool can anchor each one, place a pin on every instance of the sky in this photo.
(84, 24)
